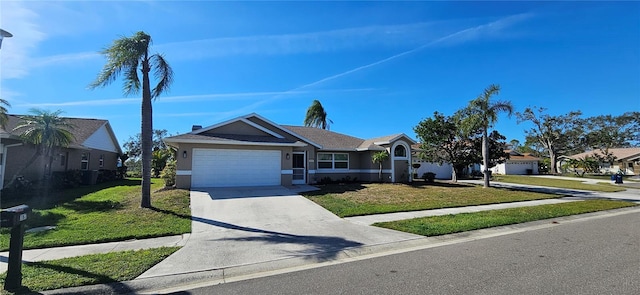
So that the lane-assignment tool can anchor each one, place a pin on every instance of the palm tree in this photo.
(126, 56)
(380, 157)
(3, 113)
(481, 115)
(47, 131)
(316, 116)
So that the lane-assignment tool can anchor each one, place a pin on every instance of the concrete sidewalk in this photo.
(228, 245)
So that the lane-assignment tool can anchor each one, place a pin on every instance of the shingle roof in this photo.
(83, 128)
(619, 153)
(329, 140)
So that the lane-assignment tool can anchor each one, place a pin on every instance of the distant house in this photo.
(252, 151)
(517, 164)
(627, 160)
(95, 147)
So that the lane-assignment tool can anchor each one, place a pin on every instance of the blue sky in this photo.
(377, 67)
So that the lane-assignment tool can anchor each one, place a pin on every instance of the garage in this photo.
(230, 167)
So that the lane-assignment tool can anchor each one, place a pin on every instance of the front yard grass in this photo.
(89, 270)
(375, 198)
(561, 183)
(105, 213)
(455, 223)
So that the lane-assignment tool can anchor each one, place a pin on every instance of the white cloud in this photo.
(390, 36)
(181, 98)
(22, 22)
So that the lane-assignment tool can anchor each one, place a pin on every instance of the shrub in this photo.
(66, 179)
(428, 176)
(169, 173)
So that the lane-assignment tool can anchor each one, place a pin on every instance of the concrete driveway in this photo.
(253, 225)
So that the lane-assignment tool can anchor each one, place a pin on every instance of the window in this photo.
(84, 162)
(400, 151)
(101, 161)
(333, 161)
(63, 159)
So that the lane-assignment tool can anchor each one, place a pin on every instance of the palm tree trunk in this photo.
(380, 173)
(146, 133)
(454, 174)
(553, 161)
(485, 157)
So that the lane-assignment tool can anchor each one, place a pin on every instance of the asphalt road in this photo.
(595, 256)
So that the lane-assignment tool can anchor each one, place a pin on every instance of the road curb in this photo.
(178, 282)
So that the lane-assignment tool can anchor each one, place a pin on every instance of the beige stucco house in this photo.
(627, 160)
(252, 151)
(95, 147)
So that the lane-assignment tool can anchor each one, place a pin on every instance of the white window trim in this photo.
(333, 162)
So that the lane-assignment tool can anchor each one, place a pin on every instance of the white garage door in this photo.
(223, 167)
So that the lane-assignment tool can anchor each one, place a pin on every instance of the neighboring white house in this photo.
(517, 164)
(442, 171)
(627, 160)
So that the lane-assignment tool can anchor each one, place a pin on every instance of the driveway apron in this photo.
(242, 226)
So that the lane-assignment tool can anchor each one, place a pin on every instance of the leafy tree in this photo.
(607, 131)
(133, 146)
(127, 56)
(159, 160)
(380, 157)
(497, 146)
(556, 135)
(316, 116)
(47, 131)
(481, 114)
(442, 139)
(3, 113)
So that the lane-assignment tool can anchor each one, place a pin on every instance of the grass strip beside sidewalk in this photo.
(455, 223)
(89, 269)
(560, 183)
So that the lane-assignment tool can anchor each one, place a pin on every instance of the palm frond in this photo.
(122, 56)
(131, 81)
(163, 73)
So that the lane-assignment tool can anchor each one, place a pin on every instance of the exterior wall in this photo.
(16, 157)
(101, 140)
(237, 128)
(442, 171)
(361, 168)
(184, 165)
(515, 167)
(626, 167)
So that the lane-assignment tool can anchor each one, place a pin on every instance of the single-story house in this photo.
(94, 147)
(517, 164)
(627, 160)
(253, 151)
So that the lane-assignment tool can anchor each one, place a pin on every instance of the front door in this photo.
(299, 171)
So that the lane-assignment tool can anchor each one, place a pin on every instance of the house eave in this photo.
(234, 142)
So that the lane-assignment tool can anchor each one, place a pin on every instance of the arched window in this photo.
(400, 151)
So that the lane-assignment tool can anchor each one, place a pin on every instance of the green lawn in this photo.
(89, 269)
(561, 183)
(364, 199)
(448, 224)
(103, 213)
